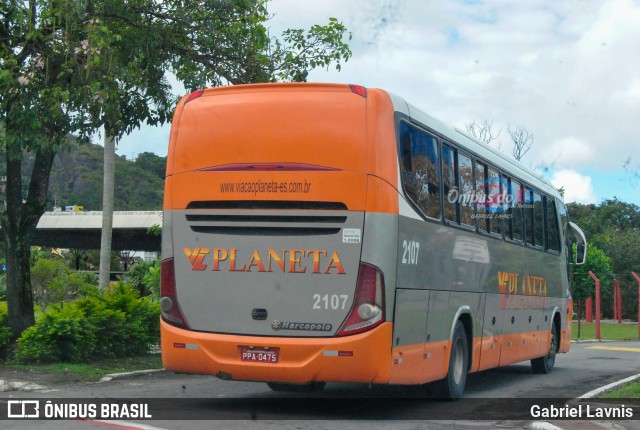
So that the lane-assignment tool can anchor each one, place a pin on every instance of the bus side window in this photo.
(528, 216)
(538, 220)
(495, 190)
(449, 183)
(553, 237)
(420, 169)
(481, 189)
(467, 190)
(515, 209)
(406, 151)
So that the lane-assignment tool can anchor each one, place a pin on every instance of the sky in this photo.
(568, 71)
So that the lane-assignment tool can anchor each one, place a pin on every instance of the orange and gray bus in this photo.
(319, 233)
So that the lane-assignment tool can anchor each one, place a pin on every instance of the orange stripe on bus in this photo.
(422, 363)
(417, 364)
(523, 346)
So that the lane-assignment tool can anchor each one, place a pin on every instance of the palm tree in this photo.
(107, 207)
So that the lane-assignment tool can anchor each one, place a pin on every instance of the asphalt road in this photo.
(497, 397)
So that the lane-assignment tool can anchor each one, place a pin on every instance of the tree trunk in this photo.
(18, 225)
(19, 294)
(107, 207)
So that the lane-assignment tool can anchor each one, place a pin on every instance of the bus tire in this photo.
(311, 387)
(544, 365)
(452, 386)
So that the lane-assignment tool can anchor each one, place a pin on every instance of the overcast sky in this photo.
(567, 71)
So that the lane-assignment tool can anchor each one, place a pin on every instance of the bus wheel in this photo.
(452, 386)
(311, 387)
(545, 364)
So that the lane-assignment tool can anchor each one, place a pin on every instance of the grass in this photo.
(607, 331)
(95, 370)
(627, 391)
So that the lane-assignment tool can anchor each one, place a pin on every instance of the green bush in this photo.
(117, 323)
(144, 276)
(110, 327)
(54, 282)
(59, 335)
(142, 316)
(5, 332)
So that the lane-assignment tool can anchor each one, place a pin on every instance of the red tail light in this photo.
(171, 312)
(194, 95)
(367, 311)
(359, 90)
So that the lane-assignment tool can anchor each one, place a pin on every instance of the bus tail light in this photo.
(367, 311)
(359, 90)
(169, 306)
(194, 95)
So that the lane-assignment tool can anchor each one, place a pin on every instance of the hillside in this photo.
(76, 179)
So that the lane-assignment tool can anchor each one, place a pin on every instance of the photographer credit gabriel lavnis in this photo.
(581, 411)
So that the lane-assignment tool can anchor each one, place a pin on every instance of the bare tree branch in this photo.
(483, 131)
(522, 141)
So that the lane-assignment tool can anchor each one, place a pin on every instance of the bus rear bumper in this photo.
(364, 357)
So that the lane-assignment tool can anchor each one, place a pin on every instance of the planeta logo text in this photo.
(318, 261)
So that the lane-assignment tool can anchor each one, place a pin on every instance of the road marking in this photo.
(122, 425)
(615, 348)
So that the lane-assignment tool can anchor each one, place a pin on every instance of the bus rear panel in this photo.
(264, 257)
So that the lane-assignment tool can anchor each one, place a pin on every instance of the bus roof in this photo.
(475, 146)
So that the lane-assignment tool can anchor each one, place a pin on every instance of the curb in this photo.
(598, 340)
(544, 425)
(612, 386)
(125, 375)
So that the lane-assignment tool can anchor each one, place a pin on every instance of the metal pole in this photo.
(638, 279)
(619, 305)
(615, 299)
(597, 303)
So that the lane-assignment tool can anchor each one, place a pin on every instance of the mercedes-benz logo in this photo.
(276, 325)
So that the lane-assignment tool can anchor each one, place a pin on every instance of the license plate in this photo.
(259, 355)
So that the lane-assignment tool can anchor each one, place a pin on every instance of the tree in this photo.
(54, 282)
(72, 67)
(152, 163)
(483, 131)
(583, 285)
(614, 227)
(522, 141)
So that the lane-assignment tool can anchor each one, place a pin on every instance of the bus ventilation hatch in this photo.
(263, 223)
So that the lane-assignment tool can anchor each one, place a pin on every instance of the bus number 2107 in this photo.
(330, 301)
(410, 252)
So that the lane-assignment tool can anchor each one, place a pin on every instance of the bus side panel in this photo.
(522, 286)
(565, 341)
(421, 341)
(438, 348)
(409, 336)
(474, 301)
(491, 331)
